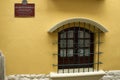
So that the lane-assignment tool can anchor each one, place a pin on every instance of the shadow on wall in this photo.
(77, 6)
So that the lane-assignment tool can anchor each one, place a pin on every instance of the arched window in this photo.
(75, 48)
(79, 42)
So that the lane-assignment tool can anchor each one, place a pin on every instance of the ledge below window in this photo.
(96, 75)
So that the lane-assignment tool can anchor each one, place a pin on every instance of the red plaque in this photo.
(24, 10)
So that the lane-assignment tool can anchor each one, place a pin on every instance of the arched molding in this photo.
(89, 21)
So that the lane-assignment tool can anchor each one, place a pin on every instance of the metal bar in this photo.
(77, 64)
(99, 42)
(87, 39)
(74, 52)
(67, 49)
(63, 50)
(55, 54)
(89, 49)
(100, 53)
(98, 49)
(58, 48)
(79, 53)
(54, 43)
(84, 45)
(94, 50)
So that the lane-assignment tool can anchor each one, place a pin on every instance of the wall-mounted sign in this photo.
(24, 10)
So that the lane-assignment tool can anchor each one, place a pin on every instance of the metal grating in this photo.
(86, 61)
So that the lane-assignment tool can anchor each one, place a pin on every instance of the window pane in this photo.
(69, 52)
(63, 35)
(87, 35)
(81, 34)
(80, 52)
(87, 52)
(87, 43)
(62, 43)
(82, 44)
(63, 53)
(70, 43)
(70, 34)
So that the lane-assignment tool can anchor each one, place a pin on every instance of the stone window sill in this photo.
(81, 74)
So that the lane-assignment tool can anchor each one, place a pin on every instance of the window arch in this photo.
(75, 48)
(83, 20)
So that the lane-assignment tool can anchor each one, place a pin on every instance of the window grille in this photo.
(78, 48)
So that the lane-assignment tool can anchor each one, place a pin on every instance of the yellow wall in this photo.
(27, 45)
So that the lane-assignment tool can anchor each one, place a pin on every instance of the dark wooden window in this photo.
(75, 48)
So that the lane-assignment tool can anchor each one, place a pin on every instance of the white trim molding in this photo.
(96, 75)
(89, 21)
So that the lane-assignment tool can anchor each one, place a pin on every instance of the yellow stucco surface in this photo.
(27, 45)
